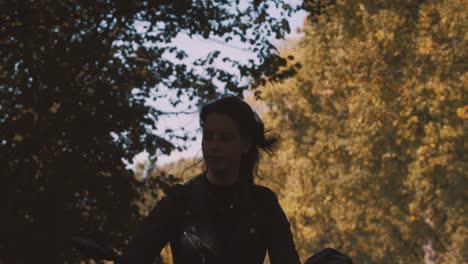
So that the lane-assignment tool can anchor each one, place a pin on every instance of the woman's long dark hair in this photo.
(250, 125)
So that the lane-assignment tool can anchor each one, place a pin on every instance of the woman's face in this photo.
(222, 144)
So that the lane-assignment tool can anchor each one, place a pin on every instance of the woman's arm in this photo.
(281, 247)
(153, 232)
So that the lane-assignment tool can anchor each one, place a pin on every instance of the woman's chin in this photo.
(218, 169)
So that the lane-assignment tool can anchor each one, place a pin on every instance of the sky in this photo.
(197, 47)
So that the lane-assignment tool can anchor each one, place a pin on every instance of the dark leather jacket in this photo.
(183, 218)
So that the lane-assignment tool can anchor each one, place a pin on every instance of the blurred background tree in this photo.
(373, 131)
(74, 80)
(373, 128)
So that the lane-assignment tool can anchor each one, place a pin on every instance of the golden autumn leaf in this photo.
(425, 46)
(90, 91)
(18, 138)
(380, 35)
(462, 112)
(54, 108)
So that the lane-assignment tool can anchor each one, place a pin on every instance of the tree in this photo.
(373, 132)
(74, 77)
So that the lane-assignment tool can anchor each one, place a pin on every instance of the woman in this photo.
(220, 216)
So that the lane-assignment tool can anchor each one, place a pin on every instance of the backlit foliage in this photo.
(373, 128)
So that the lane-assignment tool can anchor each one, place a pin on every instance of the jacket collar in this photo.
(199, 204)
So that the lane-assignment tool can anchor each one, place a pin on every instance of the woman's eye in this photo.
(222, 137)
(226, 137)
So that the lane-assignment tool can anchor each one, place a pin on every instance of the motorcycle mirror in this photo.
(91, 249)
(329, 256)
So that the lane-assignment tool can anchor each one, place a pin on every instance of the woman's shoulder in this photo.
(175, 188)
(262, 193)
(181, 192)
(183, 187)
(263, 199)
(177, 191)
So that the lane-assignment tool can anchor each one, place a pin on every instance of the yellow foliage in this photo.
(18, 138)
(462, 112)
(54, 108)
(90, 91)
(372, 154)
